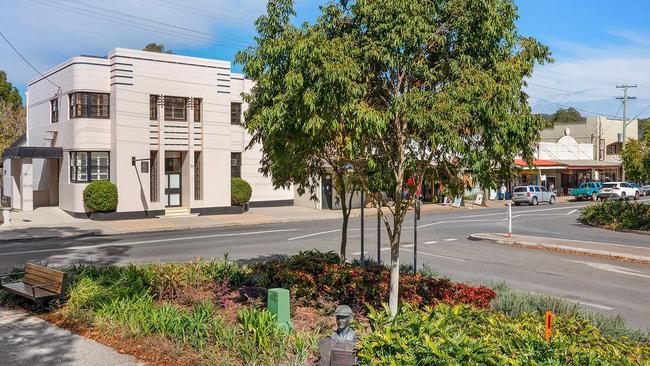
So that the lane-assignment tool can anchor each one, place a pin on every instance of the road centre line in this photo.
(611, 268)
(591, 304)
(436, 255)
(450, 239)
(572, 212)
(314, 234)
(431, 242)
(134, 243)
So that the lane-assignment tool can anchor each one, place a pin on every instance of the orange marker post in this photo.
(549, 325)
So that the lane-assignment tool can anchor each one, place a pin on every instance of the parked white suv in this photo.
(532, 195)
(618, 190)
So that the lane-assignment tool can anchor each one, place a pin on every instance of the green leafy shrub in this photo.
(617, 215)
(100, 196)
(240, 191)
(513, 303)
(464, 335)
(312, 274)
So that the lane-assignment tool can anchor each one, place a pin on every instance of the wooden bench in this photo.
(39, 284)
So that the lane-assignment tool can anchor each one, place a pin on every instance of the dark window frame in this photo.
(89, 166)
(235, 169)
(174, 108)
(153, 107)
(91, 110)
(197, 105)
(235, 116)
(54, 110)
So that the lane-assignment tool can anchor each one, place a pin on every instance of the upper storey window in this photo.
(89, 105)
(235, 113)
(175, 109)
(54, 109)
(153, 107)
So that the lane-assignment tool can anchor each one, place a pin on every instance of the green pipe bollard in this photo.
(278, 304)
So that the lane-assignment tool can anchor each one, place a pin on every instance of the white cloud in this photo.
(586, 77)
(48, 32)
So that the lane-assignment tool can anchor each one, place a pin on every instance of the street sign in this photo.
(479, 199)
(458, 201)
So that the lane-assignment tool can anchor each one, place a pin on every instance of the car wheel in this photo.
(594, 196)
(623, 196)
(517, 203)
(534, 201)
(552, 200)
(636, 196)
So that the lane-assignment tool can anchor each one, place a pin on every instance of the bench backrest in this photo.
(39, 275)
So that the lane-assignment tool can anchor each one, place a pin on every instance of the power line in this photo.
(568, 106)
(569, 91)
(26, 61)
(153, 25)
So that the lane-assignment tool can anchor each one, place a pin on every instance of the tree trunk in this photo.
(393, 300)
(341, 192)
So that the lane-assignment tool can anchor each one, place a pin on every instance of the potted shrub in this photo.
(100, 196)
(240, 192)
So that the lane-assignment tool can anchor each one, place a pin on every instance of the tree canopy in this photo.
(566, 115)
(156, 47)
(9, 93)
(402, 90)
(636, 157)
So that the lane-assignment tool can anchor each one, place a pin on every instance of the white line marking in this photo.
(591, 304)
(450, 239)
(408, 246)
(437, 256)
(359, 253)
(572, 212)
(384, 249)
(431, 242)
(612, 268)
(134, 243)
(314, 234)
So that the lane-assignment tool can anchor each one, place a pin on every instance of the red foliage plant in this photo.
(313, 274)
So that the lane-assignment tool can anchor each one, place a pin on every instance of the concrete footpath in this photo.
(597, 249)
(28, 340)
(52, 222)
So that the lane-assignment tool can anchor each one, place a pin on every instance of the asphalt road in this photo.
(603, 285)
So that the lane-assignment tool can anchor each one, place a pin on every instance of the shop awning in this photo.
(540, 164)
(37, 152)
(589, 164)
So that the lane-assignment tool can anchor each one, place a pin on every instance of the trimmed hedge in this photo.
(617, 215)
(101, 196)
(240, 192)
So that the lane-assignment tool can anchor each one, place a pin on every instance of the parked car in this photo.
(618, 190)
(587, 190)
(532, 195)
(637, 186)
(646, 188)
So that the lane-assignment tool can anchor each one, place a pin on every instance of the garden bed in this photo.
(213, 312)
(618, 215)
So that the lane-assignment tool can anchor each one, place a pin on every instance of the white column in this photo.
(190, 151)
(26, 185)
(15, 183)
(161, 150)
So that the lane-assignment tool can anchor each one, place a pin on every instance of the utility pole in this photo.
(625, 98)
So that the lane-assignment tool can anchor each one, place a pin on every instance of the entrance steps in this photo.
(178, 212)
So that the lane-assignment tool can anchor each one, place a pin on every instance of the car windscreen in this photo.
(520, 189)
(609, 185)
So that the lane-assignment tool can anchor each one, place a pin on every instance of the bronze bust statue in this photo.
(343, 332)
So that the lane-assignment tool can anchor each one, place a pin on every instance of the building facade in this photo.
(604, 134)
(166, 129)
(565, 163)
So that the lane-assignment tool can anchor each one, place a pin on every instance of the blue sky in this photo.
(596, 44)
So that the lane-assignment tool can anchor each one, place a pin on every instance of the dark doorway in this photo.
(327, 193)
(173, 179)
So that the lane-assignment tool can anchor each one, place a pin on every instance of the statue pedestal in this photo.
(336, 353)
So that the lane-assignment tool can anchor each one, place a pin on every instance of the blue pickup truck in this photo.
(587, 190)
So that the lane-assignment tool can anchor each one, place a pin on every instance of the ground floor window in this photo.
(197, 175)
(153, 177)
(89, 166)
(235, 165)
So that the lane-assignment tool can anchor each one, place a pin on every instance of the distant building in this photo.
(605, 135)
(166, 129)
(565, 163)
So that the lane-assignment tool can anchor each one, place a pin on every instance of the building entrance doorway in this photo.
(173, 179)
